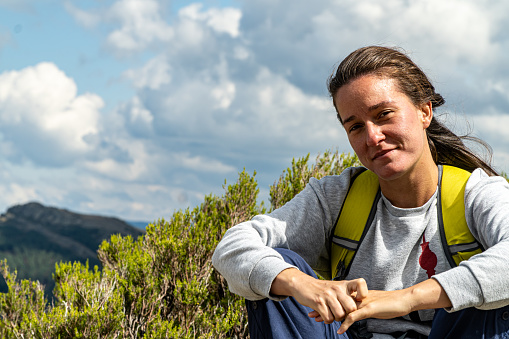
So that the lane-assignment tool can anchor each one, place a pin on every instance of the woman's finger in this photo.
(324, 314)
(358, 288)
(349, 320)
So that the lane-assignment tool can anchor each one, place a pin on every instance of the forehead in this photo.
(366, 91)
(367, 94)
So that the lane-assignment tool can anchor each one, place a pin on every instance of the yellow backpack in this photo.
(359, 208)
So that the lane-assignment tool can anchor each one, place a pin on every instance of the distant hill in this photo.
(138, 224)
(34, 237)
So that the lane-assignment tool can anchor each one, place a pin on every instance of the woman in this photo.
(385, 104)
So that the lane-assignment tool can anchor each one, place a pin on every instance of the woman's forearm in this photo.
(330, 300)
(428, 294)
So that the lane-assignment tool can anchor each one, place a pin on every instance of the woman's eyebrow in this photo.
(376, 106)
(349, 119)
(370, 108)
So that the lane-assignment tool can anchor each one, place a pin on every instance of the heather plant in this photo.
(160, 285)
(33, 263)
(294, 178)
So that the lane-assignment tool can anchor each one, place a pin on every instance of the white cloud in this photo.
(201, 164)
(85, 18)
(39, 106)
(494, 124)
(135, 201)
(490, 125)
(141, 25)
(224, 95)
(241, 53)
(447, 24)
(297, 112)
(139, 114)
(92, 193)
(153, 75)
(499, 86)
(225, 88)
(225, 20)
(240, 116)
(16, 193)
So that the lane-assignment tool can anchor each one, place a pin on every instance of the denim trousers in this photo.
(269, 319)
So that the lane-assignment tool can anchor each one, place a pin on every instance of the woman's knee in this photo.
(471, 323)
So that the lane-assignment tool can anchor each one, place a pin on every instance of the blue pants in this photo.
(289, 319)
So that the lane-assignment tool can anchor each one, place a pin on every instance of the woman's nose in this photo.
(373, 134)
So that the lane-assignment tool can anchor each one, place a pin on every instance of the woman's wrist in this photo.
(284, 282)
(428, 294)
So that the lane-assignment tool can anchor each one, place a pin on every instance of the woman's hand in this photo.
(380, 305)
(330, 300)
(392, 304)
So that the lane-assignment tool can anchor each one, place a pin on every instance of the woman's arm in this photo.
(479, 282)
(482, 280)
(331, 300)
(428, 294)
(245, 255)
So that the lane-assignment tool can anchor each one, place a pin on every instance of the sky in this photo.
(139, 108)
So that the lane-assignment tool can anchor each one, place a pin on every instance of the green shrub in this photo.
(294, 178)
(161, 285)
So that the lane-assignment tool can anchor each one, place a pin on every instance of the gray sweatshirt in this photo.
(388, 258)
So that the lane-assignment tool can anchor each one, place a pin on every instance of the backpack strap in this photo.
(359, 208)
(458, 243)
(355, 218)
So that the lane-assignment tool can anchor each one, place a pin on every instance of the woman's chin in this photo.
(388, 172)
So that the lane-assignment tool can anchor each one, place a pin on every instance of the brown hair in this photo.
(446, 147)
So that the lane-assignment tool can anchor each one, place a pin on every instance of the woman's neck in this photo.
(413, 189)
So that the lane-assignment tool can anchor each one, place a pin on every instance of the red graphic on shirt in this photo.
(428, 259)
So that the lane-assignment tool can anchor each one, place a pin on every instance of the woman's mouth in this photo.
(381, 153)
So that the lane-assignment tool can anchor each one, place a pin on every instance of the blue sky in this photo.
(137, 108)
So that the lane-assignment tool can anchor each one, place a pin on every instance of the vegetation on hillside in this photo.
(33, 237)
(160, 285)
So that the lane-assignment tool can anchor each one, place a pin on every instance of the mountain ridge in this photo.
(33, 237)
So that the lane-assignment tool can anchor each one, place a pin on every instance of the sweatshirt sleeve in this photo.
(245, 256)
(483, 280)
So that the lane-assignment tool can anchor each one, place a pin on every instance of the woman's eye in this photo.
(384, 114)
(354, 127)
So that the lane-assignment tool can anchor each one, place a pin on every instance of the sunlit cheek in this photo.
(353, 142)
(358, 148)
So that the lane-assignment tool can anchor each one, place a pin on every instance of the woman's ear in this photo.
(426, 114)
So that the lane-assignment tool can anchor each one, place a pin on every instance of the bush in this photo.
(161, 285)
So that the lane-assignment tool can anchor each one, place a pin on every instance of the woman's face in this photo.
(384, 127)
